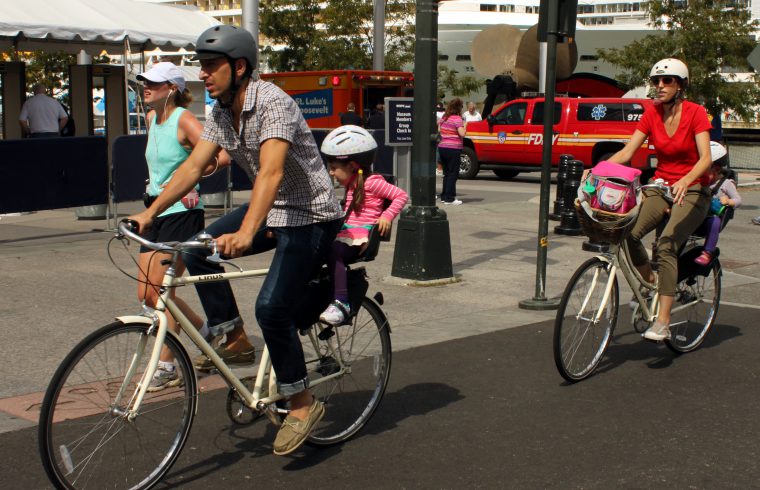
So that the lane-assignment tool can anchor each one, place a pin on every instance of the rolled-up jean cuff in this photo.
(291, 389)
(224, 327)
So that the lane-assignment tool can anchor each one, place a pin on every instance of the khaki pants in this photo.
(683, 221)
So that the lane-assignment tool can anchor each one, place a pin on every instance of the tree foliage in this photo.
(711, 37)
(336, 34)
(449, 82)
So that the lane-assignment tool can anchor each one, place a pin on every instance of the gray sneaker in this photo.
(657, 332)
(163, 378)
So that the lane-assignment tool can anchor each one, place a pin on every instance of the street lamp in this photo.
(423, 244)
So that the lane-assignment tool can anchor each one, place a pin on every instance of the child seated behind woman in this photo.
(350, 152)
(724, 196)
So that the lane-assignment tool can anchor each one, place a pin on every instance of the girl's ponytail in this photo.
(358, 200)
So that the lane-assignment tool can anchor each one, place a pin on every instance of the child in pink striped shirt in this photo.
(366, 194)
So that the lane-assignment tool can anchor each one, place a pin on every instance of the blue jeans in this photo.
(450, 159)
(299, 250)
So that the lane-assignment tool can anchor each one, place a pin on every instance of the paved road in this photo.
(474, 400)
(491, 411)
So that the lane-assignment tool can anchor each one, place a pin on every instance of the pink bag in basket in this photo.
(612, 187)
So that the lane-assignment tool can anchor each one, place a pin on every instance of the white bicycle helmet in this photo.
(350, 143)
(670, 66)
(719, 154)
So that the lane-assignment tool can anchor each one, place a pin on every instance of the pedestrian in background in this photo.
(42, 116)
(471, 114)
(350, 116)
(377, 119)
(439, 110)
(451, 128)
(173, 132)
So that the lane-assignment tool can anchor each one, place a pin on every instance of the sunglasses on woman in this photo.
(665, 80)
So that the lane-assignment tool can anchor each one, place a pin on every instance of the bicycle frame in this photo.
(252, 399)
(619, 258)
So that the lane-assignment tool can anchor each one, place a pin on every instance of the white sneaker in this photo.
(163, 378)
(455, 202)
(336, 313)
(657, 332)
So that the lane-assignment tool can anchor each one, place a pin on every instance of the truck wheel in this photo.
(468, 164)
(505, 174)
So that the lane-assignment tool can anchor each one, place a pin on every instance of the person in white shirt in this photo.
(471, 114)
(42, 116)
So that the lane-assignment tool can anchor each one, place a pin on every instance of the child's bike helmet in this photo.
(719, 154)
(350, 143)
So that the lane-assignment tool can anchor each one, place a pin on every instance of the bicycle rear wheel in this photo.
(364, 349)
(579, 340)
(695, 307)
(85, 438)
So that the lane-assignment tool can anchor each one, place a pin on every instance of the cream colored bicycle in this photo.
(101, 428)
(588, 311)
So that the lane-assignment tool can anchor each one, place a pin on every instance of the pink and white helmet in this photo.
(350, 143)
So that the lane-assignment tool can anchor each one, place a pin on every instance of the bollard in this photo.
(559, 201)
(569, 224)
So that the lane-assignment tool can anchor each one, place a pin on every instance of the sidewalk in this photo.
(58, 283)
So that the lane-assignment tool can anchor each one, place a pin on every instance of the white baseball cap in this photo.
(164, 72)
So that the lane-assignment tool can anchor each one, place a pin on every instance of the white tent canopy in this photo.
(94, 25)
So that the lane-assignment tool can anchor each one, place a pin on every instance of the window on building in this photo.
(487, 7)
(463, 57)
(589, 57)
(443, 57)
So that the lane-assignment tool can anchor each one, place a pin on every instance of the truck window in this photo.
(633, 112)
(602, 111)
(538, 113)
(512, 114)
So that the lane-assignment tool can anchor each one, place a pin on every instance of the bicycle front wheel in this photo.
(86, 439)
(585, 320)
(695, 307)
(363, 348)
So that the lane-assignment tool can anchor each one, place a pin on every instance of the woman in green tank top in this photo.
(173, 132)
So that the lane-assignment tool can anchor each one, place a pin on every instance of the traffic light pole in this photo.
(423, 244)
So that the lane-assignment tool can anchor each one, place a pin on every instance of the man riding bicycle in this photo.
(292, 208)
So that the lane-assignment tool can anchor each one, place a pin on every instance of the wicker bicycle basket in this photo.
(608, 227)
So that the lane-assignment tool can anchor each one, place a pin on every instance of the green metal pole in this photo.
(423, 244)
(539, 301)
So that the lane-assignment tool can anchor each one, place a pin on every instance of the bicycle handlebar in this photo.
(127, 229)
(661, 185)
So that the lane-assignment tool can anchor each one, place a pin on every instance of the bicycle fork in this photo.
(607, 291)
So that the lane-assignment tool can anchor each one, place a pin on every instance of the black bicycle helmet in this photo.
(229, 41)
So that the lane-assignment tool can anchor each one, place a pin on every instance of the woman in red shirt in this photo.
(680, 133)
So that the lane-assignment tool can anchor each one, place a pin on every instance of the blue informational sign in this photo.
(317, 103)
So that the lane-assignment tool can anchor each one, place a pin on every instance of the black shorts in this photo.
(175, 227)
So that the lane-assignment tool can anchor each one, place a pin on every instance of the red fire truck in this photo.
(323, 95)
(510, 140)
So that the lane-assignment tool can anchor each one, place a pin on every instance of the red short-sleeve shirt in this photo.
(676, 155)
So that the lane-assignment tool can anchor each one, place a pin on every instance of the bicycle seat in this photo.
(373, 246)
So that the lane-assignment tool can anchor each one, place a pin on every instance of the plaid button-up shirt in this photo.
(306, 195)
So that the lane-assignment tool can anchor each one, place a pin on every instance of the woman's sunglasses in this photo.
(665, 80)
